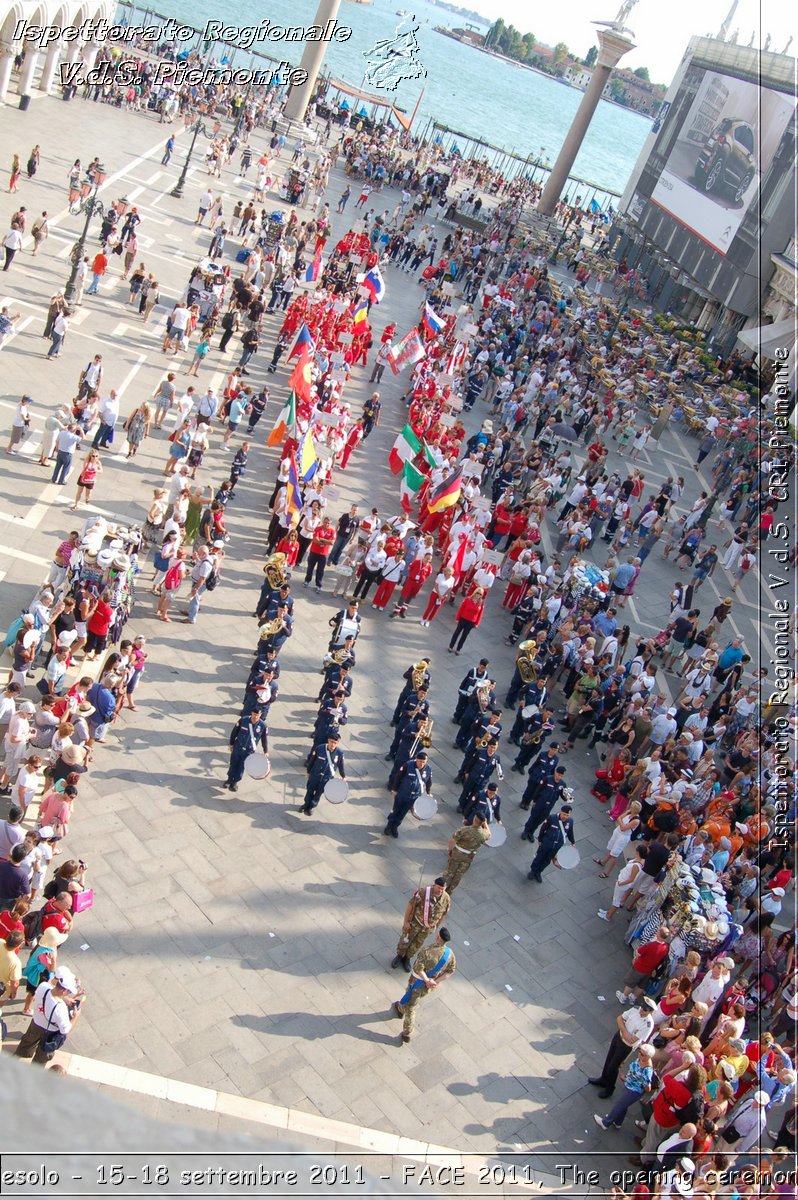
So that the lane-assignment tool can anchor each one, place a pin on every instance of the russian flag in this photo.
(432, 323)
(303, 338)
(375, 284)
(314, 269)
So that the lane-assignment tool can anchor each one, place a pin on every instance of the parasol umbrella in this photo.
(567, 432)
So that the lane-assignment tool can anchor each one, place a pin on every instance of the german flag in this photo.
(446, 494)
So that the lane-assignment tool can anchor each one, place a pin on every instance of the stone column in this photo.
(297, 103)
(90, 52)
(26, 75)
(612, 46)
(6, 67)
(50, 67)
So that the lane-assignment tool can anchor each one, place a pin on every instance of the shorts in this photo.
(88, 487)
(80, 629)
(232, 426)
(17, 434)
(675, 647)
(635, 978)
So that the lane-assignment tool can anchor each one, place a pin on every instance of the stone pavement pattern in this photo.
(235, 944)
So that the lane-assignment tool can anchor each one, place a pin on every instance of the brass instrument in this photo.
(482, 689)
(274, 570)
(423, 737)
(417, 677)
(525, 662)
(269, 628)
(335, 657)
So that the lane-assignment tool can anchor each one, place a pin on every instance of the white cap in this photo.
(66, 979)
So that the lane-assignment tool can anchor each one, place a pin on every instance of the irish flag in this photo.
(286, 419)
(409, 486)
(405, 449)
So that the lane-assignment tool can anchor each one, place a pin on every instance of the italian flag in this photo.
(285, 421)
(409, 486)
(405, 449)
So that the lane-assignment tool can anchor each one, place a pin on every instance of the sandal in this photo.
(604, 875)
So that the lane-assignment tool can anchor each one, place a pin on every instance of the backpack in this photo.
(173, 578)
(211, 583)
(32, 926)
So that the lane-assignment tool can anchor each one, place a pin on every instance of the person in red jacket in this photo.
(320, 547)
(417, 576)
(352, 442)
(500, 525)
(469, 615)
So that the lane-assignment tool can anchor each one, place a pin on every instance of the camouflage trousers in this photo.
(408, 1011)
(456, 868)
(411, 942)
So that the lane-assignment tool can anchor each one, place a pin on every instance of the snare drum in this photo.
(257, 766)
(425, 807)
(498, 836)
(336, 790)
(567, 857)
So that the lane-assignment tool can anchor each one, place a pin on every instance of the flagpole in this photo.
(415, 110)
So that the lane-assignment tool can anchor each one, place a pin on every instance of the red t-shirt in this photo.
(8, 924)
(100, 621)
(649, 956)
(322, 541)
(470, 610)
(52, 917)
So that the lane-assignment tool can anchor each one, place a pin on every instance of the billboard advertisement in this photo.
(721, 155)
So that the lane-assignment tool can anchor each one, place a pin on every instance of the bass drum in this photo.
(336, 790)
(425, 807)
(567, 857)
(498, 836)
(257, 766)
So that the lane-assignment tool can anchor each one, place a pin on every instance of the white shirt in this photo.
(710, 988)
(49, 1013)
(638, 1026)
(109, 410)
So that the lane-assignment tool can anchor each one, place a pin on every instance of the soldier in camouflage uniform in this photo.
(463, 845)
(425, 912)
(431, 966)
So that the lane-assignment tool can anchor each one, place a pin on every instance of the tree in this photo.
(642, 73)
(591, 56)
(494, 34)
(561, 52)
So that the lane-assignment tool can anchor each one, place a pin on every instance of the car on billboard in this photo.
(727, 163)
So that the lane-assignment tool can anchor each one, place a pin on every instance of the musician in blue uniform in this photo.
(412, 779)
(543, 768)
(551, 839)
(248, 733)
(464, 693)
(324, 762)
(551, 792)
(487, 805)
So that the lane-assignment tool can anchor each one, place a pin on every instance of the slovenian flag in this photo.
(306, 457)
(303, 338)
(314, 269)
(432, 323)
(410, 485)
(361, 313)
(285, 422)
(447, 493)
(375, 284)
(405, 449)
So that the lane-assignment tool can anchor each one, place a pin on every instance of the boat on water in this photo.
(402, 12)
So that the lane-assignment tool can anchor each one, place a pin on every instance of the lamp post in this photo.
(91, 205)
(197, 128)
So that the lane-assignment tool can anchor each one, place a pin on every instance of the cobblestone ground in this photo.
(235, 944)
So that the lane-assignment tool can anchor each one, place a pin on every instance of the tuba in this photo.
(525, 662)
(418, 677)
(482, 689)
(274, 570)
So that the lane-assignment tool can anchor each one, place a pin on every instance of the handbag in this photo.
(82, 900)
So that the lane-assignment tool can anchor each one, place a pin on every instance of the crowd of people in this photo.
(694, 754)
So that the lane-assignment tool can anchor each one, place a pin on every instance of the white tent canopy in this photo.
(766, 339)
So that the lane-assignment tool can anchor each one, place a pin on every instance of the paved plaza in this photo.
(233, 943)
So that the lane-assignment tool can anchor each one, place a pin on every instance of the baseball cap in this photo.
(66, 979)
(46, 832)
(647, 1002)
(761, 1098)
(777, 891)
